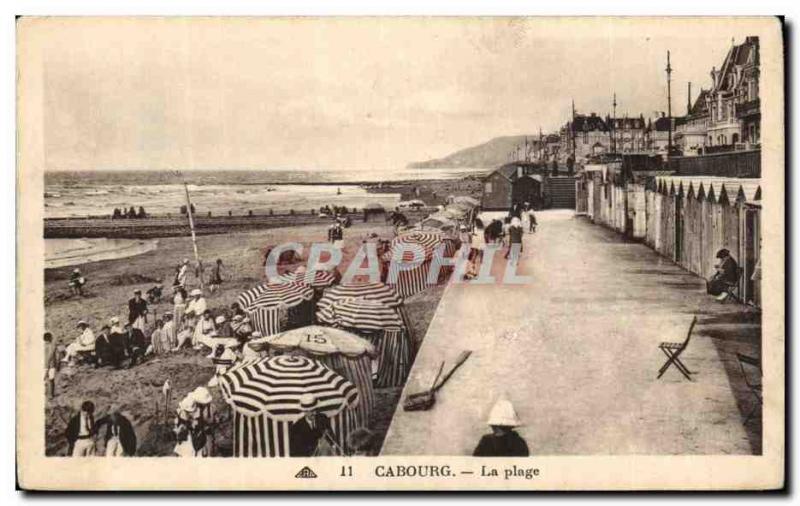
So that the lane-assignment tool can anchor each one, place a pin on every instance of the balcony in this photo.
(730, 164)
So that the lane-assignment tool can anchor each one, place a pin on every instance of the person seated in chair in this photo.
(726, 277)
(102, 347)
(137, 344)
(83, 344)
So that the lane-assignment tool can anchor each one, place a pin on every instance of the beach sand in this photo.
(137, 391)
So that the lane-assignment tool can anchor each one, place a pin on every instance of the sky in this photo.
(356, 93)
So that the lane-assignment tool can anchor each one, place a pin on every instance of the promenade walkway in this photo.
(575, 350)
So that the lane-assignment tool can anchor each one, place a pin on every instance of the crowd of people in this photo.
(506, 233)
(131, 213)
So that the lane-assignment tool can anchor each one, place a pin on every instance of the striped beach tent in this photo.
(269, 304)
(371, 291)
(320, 279)
(368, 290)
(265, 397)
(360, 314)
(274, 294)
(414, 280)
(394, 350)
(383, 325)
(346, 353)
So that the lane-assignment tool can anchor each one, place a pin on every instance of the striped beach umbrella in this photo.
(428, 240)
(320, 279)
(274, 386)
(346, 353)
(268, 305)
(360, 314)
(410, 281)
(371, 291)
(265, 397)
(275, 294)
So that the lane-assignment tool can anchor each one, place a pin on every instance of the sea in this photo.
(97, 193)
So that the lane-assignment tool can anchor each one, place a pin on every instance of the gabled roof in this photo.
(737, 55)
(627, 123)
(583, 123)
(700, 106)
(713, 189)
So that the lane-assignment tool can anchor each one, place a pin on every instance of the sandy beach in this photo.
(136, 391)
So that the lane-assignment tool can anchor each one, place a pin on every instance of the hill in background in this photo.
(489, 154)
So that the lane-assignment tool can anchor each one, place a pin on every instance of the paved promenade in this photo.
(575, 350)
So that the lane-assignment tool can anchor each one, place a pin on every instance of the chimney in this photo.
(689, 100)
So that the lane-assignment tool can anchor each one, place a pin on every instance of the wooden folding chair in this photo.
(755, 388)
(673, 352)
(733, 289)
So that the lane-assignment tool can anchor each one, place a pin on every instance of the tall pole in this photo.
(191, 227)
(669, 106)
(572, 129)
(613, 127)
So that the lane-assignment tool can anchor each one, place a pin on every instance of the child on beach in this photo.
(216, 276)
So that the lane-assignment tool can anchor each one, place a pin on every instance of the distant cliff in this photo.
(489, 154)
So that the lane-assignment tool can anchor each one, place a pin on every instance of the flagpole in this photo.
(191, 227)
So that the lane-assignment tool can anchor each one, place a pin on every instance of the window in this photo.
(488, 187)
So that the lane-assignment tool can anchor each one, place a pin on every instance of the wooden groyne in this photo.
(171, 226)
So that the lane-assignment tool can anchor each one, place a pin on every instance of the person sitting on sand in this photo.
(224, 328)
(84, 343)
(118, 341)
(242, 329)
(204, 330)
(503, 441)
(168, 332)
(236, 309)
(158, 343)
(186, 333)
(102, 347)
(137, 344)
(198, 303)
(222, 356)
(155, 293)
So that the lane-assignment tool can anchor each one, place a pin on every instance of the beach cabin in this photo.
(513, 183)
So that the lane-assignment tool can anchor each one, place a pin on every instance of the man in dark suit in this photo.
(102, 347)
(136, 342)
(120, 438)
(305, 434)
(118, 344)
(137, 310)
(81, 431)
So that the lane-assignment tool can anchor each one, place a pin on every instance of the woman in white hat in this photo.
(84, 343)
(189, 430)
(197, 304)
(503, 441)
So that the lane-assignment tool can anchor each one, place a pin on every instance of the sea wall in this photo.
(170, 226)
